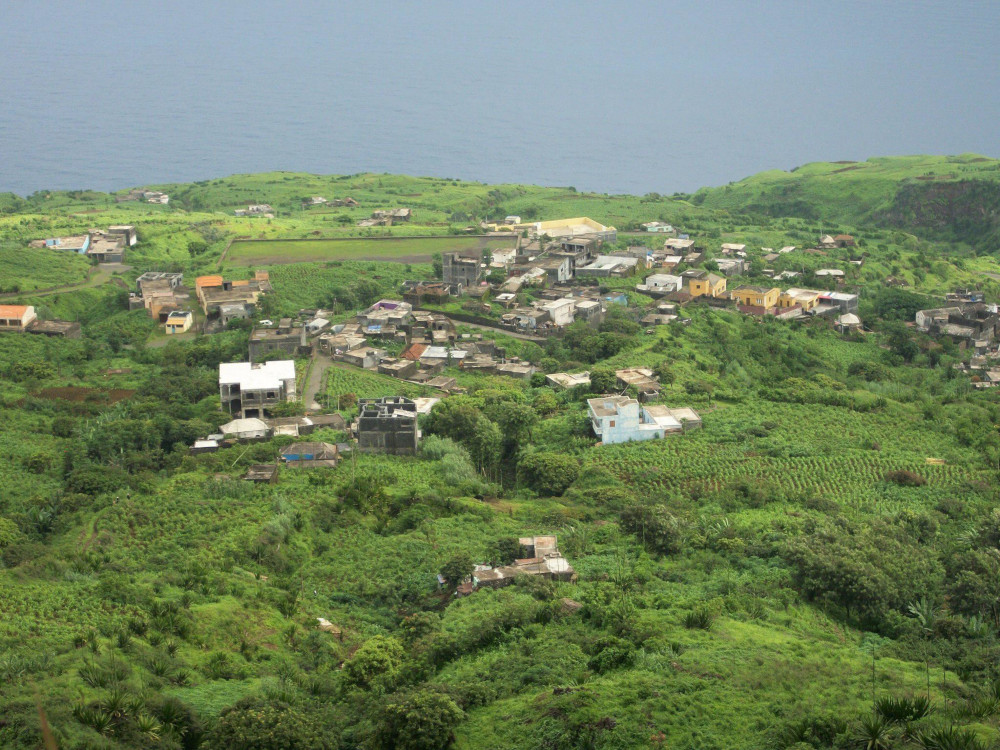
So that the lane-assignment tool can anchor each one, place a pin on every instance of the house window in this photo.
(271, 394)
(611, 423)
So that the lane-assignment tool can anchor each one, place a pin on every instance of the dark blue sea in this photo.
(614, 97)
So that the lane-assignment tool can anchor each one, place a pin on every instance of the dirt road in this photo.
(315, 382)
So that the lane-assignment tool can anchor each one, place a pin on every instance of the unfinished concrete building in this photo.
(460, 270)
(251, 390)
(388, 425)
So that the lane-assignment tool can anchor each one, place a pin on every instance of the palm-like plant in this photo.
(949, 738)
(116, 703)
(926, 612)
(149, 727)
(874, 733)
(902, 711)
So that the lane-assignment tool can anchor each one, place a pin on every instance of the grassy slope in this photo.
(850, 192)
(39, 268)
(771, 656)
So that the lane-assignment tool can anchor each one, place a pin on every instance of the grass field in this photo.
(27, 270)
(404, 249)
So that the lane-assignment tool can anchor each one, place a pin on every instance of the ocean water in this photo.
(634, 96)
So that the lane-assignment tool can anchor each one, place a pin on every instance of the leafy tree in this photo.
(485, 446)
(664, 373)
(63, 427)
(375, 666)
(255, 724)
(9, 533)
(506, 550)
(453, 418)
(869, 571)
(892, 303)
(868, 370)
(422, 719)
(699, 388)
(545, 403)
(457, 569)
(655, 526)
(515, 420)
(22, 370)
(899, 341)
(366, 493)
(91, 479)
(617, 320)
(548, 473)
(603, 381)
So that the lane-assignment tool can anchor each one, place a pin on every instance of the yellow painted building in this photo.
(806, 298)
(560, 228)
(707, 285)
(179, 322)
(756, 296)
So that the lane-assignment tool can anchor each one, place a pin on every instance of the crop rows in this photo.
(834, 476)
(366, 384)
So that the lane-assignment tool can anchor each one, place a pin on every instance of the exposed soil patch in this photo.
(79, 394)
(845, 169)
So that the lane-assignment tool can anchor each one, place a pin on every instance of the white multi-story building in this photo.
(250, 389)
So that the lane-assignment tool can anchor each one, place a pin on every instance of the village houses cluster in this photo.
(972, 325)
(561, 264)
(99, 245)
(172, 304)
(551, 275)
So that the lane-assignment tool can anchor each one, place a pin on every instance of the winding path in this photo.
(103, 274)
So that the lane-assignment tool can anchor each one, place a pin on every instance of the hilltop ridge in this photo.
(948, 197)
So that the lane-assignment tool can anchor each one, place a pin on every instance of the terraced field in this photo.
(849, 465)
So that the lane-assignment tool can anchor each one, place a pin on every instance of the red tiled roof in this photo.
(13, 311)
(414, 351)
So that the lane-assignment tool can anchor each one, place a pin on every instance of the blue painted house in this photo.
(77, 244)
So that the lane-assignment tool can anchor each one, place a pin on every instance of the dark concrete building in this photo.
(286, 337)
(460, 269)
(388, 425)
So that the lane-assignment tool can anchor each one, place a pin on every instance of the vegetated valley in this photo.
(817, 566)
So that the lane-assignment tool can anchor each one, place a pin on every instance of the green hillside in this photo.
(951, 197)
(815, 567)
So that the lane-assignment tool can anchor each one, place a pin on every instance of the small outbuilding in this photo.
(310, 455)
